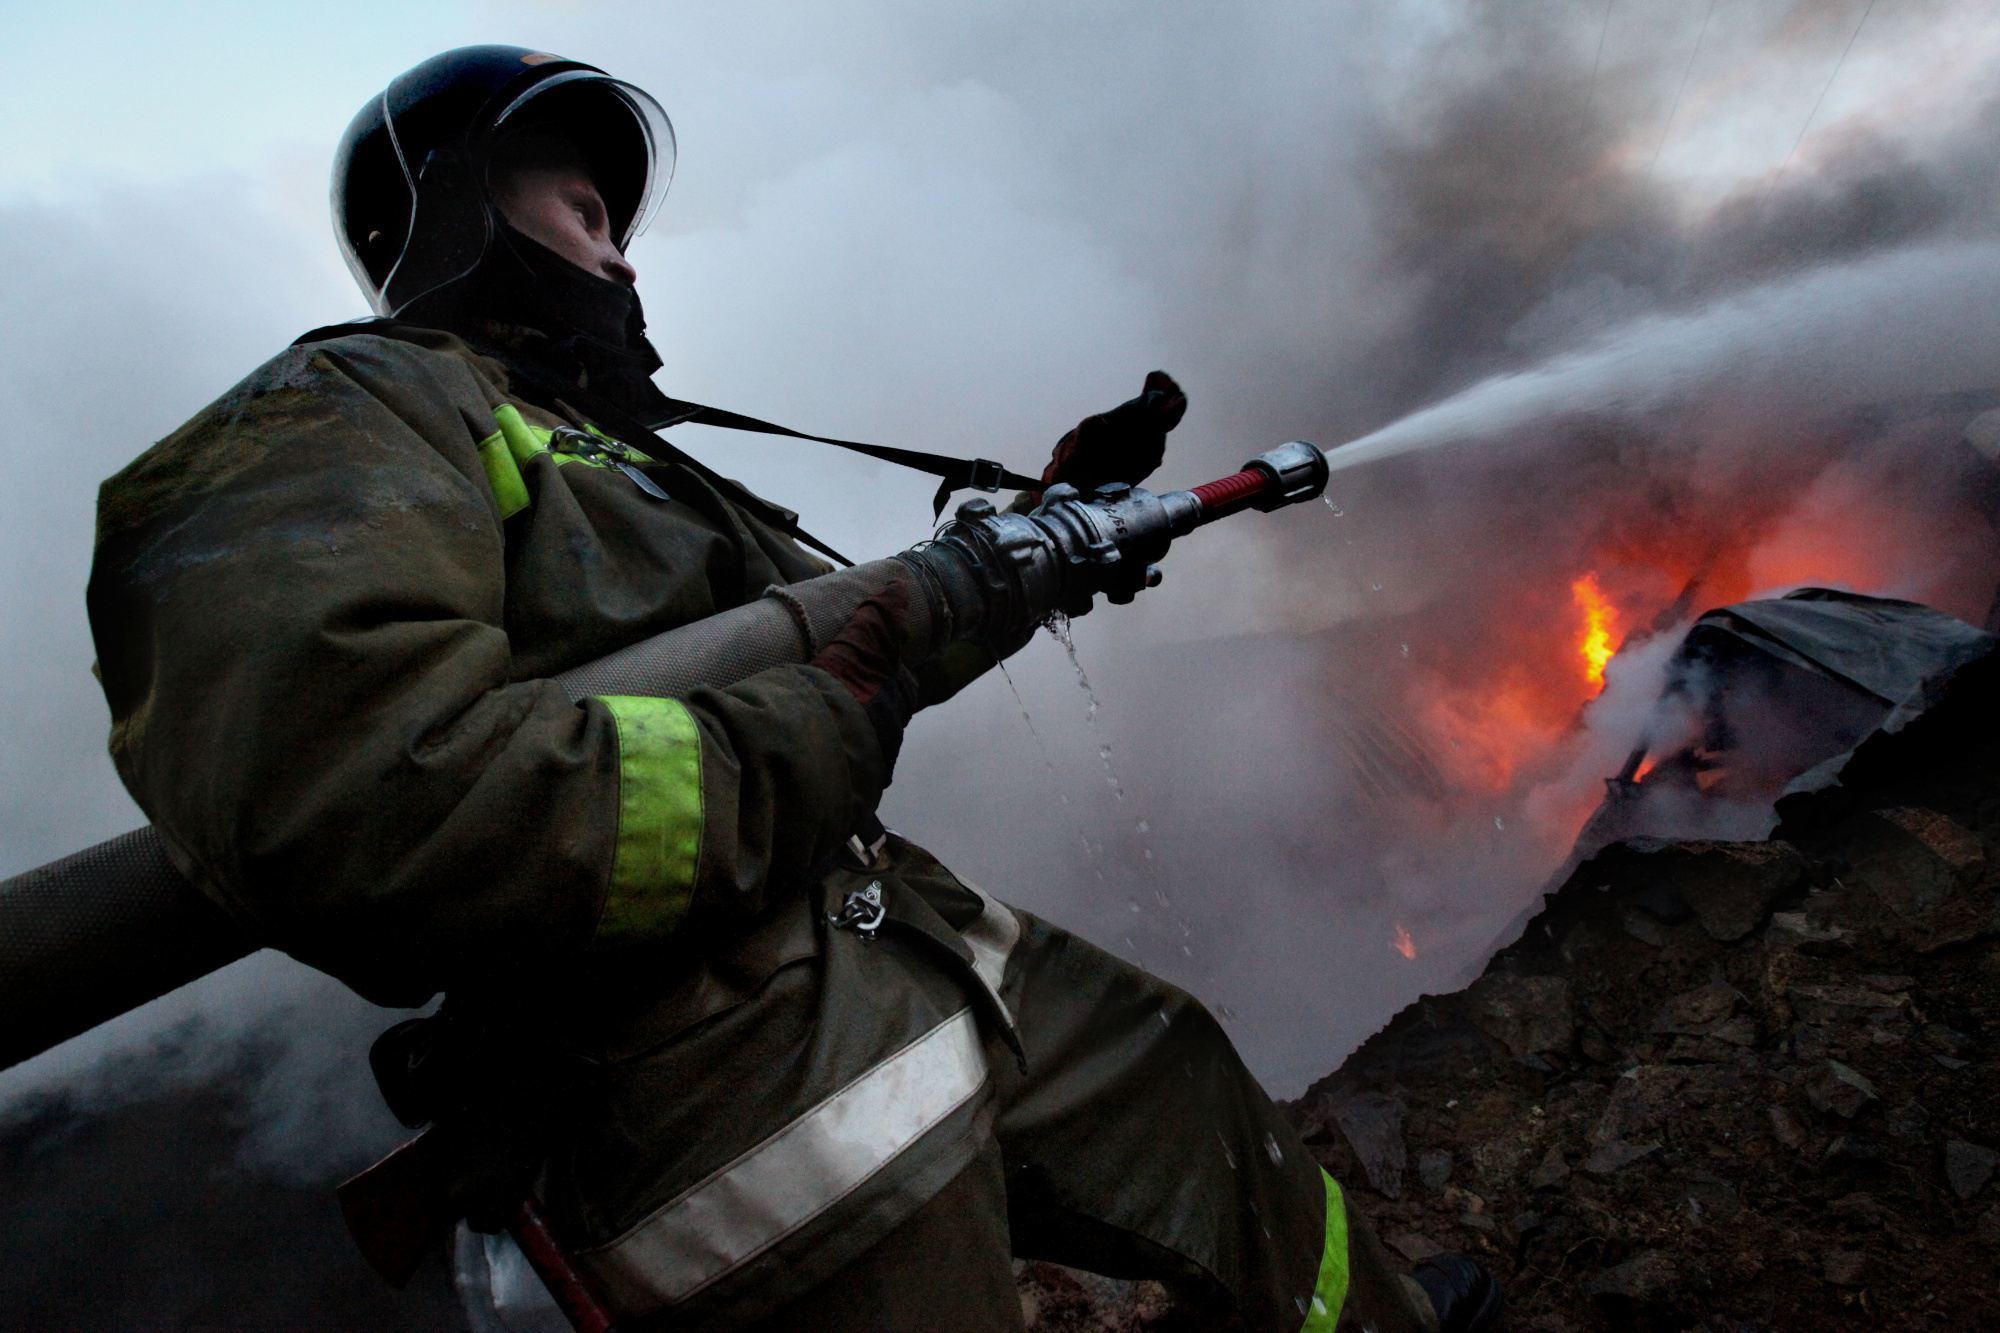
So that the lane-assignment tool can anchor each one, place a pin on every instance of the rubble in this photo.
(1725, 1085)
(1713, 1085)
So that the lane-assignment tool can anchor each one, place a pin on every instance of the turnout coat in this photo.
(327, 612)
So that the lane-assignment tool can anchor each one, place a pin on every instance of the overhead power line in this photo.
(1814, 113)
(1675, 109)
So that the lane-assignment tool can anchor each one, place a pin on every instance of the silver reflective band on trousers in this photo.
(810, 1165)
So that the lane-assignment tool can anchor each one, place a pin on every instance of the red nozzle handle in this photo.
(571, 1287)
(1286, 475)
(1218, 497)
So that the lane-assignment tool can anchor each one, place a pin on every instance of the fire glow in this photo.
(1404, 944)
(1599, 616)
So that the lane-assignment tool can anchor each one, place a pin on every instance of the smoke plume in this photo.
(1619, 298)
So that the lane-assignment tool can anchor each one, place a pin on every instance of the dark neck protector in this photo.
(524, 303)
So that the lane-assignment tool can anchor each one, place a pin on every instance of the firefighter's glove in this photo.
(1125, 444)
(867, 657)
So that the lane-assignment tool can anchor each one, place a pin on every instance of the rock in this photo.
(1917, 862)
(1731, 885)
(1415, 1246)
(1843, 1004)
(1951, 842)
(1373, 1124)
(1738, 1031)
(1597, 1047)
(1968, 1166)
(1642, 1101)
(1527, 1015)
(1610, 1158)
(1989, 1227)
(1645, 1278)
(1841, 1090)
(1795, 932)
(1552, 1172)
(1785, 1129)
(1434, 1168)
(1855, 1148)
(1845, 1268)
(1644, 927)
(1886, 983)
(1857, 1210)
(1476, 1222)
(1496, 1159)
(1695, 1013)
(1464, 1200)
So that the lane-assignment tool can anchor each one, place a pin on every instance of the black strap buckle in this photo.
(983, 474)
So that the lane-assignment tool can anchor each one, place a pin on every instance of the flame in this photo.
(1599, 615)
(1404, 944)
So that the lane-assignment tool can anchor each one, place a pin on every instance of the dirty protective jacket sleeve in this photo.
(327, 660)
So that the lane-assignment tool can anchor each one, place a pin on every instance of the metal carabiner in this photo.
(612, 453)
(862, 913)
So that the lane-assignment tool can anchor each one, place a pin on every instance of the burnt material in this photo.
(1747, 1083)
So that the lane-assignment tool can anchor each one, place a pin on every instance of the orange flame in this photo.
(1404, 944)
(1599, 616)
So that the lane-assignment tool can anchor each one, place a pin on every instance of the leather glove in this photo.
(1125, 444)
(867, 657)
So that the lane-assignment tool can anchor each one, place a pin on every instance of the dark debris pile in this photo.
(1728, 1086)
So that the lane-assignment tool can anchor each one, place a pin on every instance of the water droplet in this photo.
(1376, 586)
(1405, 647)
(1319, 1306)
(1187, 951)
(1338, 512)
(1149, 853)
(1144, 827)
(1499, 823)
(1133, 903)
(1271, 1147)
(1227, 1013)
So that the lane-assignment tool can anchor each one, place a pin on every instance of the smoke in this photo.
(1633, 308)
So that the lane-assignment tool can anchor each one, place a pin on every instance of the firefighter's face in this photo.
(552, 200)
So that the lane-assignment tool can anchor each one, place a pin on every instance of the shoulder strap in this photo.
(953, 474)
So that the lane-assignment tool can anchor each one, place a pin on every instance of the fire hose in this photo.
(97, 933)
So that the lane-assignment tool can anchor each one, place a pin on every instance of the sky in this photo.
(961, 228)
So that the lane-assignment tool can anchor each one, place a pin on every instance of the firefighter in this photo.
(763, 1064)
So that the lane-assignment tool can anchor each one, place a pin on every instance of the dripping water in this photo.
(1059, 627)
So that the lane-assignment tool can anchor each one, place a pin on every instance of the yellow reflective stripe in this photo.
(1330, 1292)
(523, 440)
(659, 819)
(504, 475)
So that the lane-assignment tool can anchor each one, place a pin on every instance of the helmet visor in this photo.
(621, 131)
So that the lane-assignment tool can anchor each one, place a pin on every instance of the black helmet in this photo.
(412, 205)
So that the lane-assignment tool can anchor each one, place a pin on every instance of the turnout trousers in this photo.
(904, 1085)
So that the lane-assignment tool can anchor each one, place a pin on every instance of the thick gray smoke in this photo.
(1653, 356)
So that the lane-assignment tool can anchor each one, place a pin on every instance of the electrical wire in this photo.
(1675, 109)
(1590, 98)
(1814, 113)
